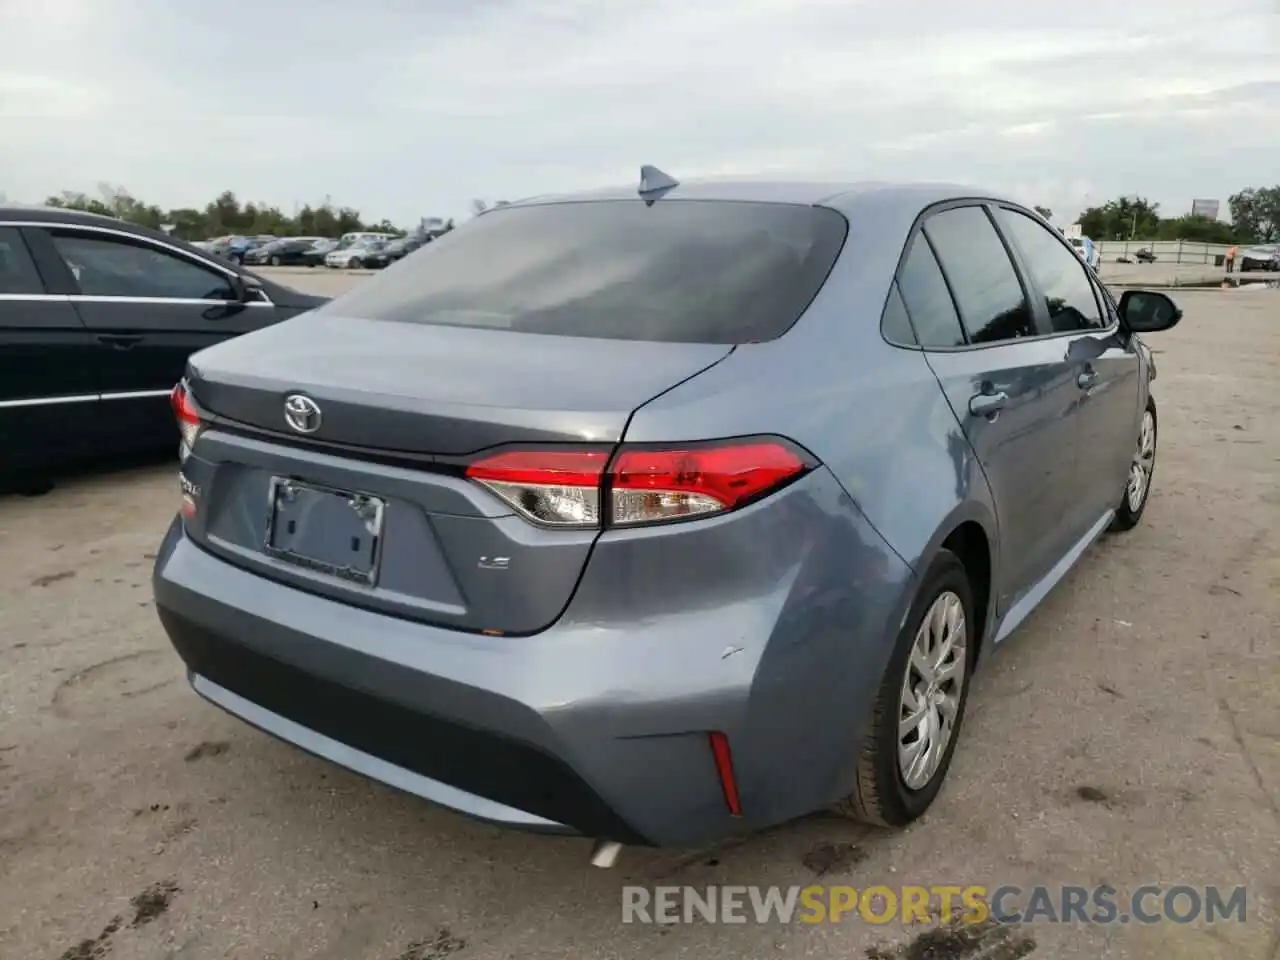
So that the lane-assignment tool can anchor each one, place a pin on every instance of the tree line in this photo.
(1254, 218)
(224, 215)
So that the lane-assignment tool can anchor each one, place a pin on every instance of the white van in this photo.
(349, 239)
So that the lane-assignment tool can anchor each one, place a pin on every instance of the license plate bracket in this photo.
(334, 532)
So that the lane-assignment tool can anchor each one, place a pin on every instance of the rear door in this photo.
(148, 307)
(1011, 389)
(1103, 364)
(48, 382)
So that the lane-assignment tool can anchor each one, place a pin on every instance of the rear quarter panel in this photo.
(905, 474)
(872, 412)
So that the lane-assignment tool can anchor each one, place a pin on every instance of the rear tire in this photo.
(1142, 470)
(891, 789)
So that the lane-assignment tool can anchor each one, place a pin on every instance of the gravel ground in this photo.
(1129, 734)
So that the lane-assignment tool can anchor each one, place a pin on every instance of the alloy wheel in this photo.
(929, 704)
(1144, 458)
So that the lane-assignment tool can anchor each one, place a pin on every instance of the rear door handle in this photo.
(988, 404)
(120, 341)
(1087, 378)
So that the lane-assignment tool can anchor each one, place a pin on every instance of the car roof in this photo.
(845, 196)
(38, 213)
(11, 212)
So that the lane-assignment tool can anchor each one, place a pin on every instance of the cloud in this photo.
(409, 107)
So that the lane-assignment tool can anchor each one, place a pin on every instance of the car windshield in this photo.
(681, 271)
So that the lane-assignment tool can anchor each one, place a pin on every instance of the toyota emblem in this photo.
(302, 413)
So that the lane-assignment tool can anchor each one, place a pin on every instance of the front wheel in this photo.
(353, 264)
(1137, 488)
(275, 261)
(915, 721)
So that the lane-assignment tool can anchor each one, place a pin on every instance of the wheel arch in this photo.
(970, 543)
(971, 533)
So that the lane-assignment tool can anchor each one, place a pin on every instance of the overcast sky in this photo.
(412, 107)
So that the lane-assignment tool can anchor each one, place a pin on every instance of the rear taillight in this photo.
(188, 417)
(557, 487)
(650, 484)
(643, 484)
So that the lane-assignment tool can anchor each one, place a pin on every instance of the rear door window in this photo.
(18, 273)
(680, 271)
(928, 301)
(894, 323)
(993, 306)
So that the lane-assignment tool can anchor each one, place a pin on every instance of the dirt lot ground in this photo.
(1129, 735)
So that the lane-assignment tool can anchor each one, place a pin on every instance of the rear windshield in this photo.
(680, 271)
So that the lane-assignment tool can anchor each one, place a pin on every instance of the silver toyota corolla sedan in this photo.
(658, 515)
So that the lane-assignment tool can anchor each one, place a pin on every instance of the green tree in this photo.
(1043, 211)
(1197, 229)
(1124, 218)
(72, 200)
(385, 226)
(1255, 214)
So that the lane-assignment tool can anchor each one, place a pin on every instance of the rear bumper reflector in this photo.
(724, 767)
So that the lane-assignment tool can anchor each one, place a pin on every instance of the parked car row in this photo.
(356, 250)
(373, 253)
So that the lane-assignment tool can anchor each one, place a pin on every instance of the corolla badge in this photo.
(302, 413)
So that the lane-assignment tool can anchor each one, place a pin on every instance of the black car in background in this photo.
(393, 251)
(286, 252)
(314, 256)
(97, 319)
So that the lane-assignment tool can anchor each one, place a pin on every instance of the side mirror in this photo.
(1145, 311)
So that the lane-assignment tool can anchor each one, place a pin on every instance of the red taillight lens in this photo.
(644, 485)
(724, 767)
(651, 485)
(557, 487)
(188, 417)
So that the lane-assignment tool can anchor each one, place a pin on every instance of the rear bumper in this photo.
(596, 726)
(381, 739)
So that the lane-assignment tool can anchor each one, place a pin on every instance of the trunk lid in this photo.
(414, 540)
(449, 391)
